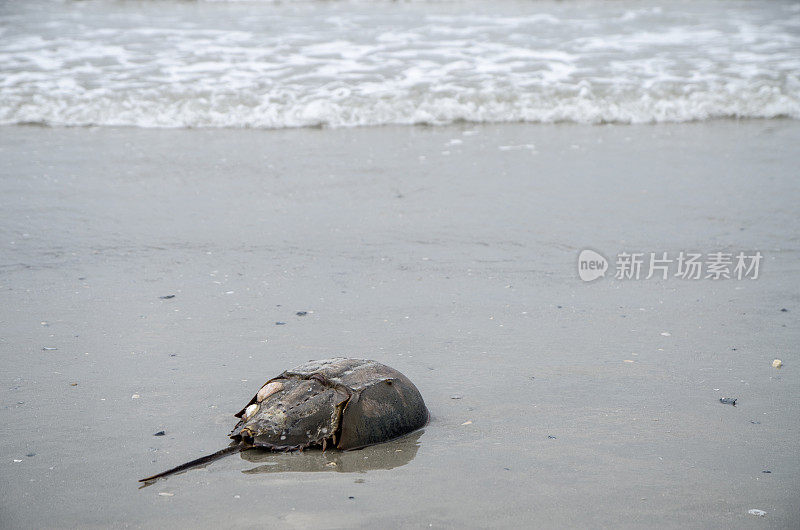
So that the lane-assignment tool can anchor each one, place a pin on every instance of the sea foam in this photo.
(347, 64)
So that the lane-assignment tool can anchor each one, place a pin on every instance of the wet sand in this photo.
(448, 253)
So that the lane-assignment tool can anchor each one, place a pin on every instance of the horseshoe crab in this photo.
(344, 403)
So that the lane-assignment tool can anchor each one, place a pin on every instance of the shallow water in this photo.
(452, 262)
(290, 64)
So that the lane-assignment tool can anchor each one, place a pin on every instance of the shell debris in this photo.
(268, 389)
(249, 411)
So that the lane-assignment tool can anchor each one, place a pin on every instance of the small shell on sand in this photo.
(268, 389)
(777, 363)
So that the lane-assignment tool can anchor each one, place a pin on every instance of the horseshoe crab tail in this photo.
(235, 448)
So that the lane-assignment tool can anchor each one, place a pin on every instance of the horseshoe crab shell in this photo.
(339, 402)
(349, 403)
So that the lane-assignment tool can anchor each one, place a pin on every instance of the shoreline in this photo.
(448, 256)
(422, 125)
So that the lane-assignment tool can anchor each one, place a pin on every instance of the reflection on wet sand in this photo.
(387, 455)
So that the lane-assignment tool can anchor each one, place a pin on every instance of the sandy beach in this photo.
(449, 253)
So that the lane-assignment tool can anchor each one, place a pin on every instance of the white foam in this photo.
(311, 64)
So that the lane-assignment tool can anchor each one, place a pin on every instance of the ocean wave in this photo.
(215, 110)
(339, 66)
